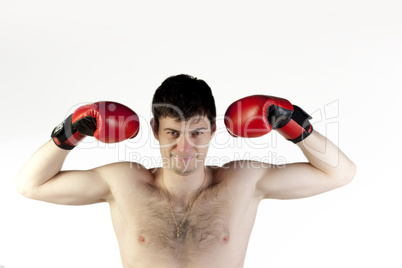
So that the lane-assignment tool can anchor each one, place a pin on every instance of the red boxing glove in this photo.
(256, 115)
(108, 122)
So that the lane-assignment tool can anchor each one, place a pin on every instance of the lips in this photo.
(182, 158)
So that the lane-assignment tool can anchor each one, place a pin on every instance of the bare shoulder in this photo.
(242, 168)
(243, 171)
(120, 174)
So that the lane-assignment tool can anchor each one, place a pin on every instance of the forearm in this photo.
(327, 157)
(41, 167)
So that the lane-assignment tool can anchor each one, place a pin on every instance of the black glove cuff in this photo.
(62, 132)
(302, 118)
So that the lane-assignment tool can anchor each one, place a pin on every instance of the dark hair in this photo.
(182, 97)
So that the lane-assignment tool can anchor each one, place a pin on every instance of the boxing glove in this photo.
(257, 115)
(108, 122)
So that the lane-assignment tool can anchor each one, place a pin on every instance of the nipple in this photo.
(141, 239)
(225, 239)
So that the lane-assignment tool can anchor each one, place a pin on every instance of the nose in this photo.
(184, 146)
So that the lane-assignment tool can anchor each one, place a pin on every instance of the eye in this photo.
(173, 133)
(197, 133)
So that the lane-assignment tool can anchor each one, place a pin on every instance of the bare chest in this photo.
(208, 226)
(179, 228)
(219, 222)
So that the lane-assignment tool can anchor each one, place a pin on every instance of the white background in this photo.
(339, 60)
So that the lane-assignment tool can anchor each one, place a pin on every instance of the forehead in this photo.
(193, 122)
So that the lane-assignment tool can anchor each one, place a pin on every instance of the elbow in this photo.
(24, 191)
(351, 172)
(23, 188)
(347, 174)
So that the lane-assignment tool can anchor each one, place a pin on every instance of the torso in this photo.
(214, 234)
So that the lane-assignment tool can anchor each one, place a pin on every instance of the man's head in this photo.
(184, 122)
(183, 97)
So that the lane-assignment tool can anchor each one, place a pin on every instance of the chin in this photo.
(183, 171)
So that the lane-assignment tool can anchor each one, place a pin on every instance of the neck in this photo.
(182, 188)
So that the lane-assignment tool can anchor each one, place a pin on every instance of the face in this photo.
(184, 144)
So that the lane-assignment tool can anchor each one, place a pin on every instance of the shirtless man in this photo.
(184, 214)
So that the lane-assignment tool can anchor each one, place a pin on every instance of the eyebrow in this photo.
(196, 129)
(171, 129)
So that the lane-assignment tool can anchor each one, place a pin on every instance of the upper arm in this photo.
(296, 180)
(79, 187)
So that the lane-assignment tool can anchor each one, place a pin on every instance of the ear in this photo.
(154, 130)
(213, 130)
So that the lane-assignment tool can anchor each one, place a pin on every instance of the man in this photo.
(184, 214)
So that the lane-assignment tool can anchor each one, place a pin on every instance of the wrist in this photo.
(298, 127)
(65, 135)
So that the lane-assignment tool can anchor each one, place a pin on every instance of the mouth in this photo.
(183, 158)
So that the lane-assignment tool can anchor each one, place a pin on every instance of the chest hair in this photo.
(206, 226)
